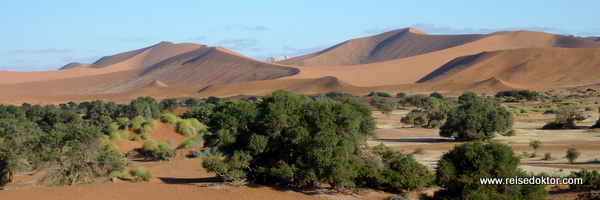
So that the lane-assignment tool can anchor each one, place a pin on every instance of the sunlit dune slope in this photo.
(544, 67)
(413, 69)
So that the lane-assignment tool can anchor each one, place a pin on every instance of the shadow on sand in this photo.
(418, 140)
(169, 180)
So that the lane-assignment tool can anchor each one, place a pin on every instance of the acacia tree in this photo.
(565, 118)
(293, 139)
(169, 105)
(477, 119)
(432, 114)
(460, 170)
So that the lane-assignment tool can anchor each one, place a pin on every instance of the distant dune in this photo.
(399, 60)
(544, 67)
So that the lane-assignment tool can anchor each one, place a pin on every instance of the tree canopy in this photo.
(477, 119)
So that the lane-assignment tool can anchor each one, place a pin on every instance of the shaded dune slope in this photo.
(205, 66)
(543, 67)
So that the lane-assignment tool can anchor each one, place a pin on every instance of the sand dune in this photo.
(410, 42)
(215, 65)
(412, 69)
(543, 67)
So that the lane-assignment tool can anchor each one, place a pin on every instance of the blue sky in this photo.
(45, 35)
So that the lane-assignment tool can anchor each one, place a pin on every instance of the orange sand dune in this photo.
(216, 65)
(410, 42)
(259, 88)
(412, 69)
(544, 67)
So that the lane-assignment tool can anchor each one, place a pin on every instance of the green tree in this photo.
(467, 96)
(436, 95)
(293, 139)
(572, 154)
(191, 102)
(477, 119)
(385, 105)
(565, 118)
(15, 133)
(146, 107)
(536, 144)
(169, 105)
(432, 114)
(459, 172)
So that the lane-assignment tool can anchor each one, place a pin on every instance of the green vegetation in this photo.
(190, 127)
(459, 172)
(515, 95)
(535, 144)
(201, 113)
(572, 154)
(191, 142)
(385, 105)
(565, 118)
(436, 95)
(295, 140)
(476, 119)
(170, 118)
(169, 105)
(547, 156)
(589, 177)
(142, 174)
(432, 114)
(379, 94)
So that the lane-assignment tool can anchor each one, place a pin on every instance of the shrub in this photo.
(163, 152)
(459, 172)
(191, 142)
(110, 147)
(145, 132)
(491, 118)
(142, 174)
(136, 123)
(510, 133)
(432, 114)
(122, 121)
(151, 123)
(547, 156)
(419, 151)
(379, 94)
(536, 144)
(115, 136)
(149, 145)
(400, 95)
(112, 127)
(572, 154)
(591, 108)
(565, 119)
(169, 118)
(589, 177)
(189, 127)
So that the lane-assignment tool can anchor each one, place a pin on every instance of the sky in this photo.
(38, 35)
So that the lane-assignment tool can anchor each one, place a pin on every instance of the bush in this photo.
(149, 146)
(565, 119)
(145, 132)
(591, 108)
(510, 133)
(142, 174)
(169, 118)
(589, 177)
(163, 152)
(191, 142)
(419, 151)
(459, 172)
(432, 114)
(572, 154)
(190, 127)
(400, 95)
(151, 123)
(122, 121)
(137, 122)
(379, 94)
(477, 119)
(547, 156)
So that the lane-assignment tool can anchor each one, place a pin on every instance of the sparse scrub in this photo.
(136, 123)
(149, 145)
(145, 132)
(151, 123)
(419, 151)
(163, 152)
(547, 156)
(189, 127)
(535, 144)
(169, 118)
(572, 154)
(591, 108)
(191, 142)
(589, 177)
(142, 174)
